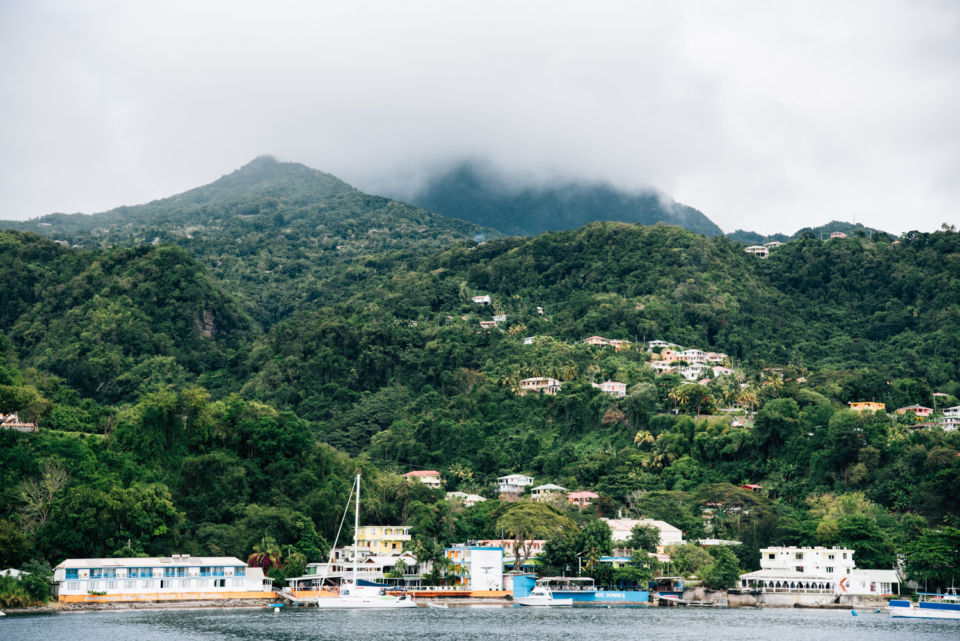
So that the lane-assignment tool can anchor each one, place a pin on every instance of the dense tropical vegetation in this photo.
(187, 406)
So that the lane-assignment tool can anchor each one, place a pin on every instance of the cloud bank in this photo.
(765, 116)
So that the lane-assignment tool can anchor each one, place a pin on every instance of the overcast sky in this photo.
(766, 116)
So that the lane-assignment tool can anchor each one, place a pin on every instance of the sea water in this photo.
(475, 623)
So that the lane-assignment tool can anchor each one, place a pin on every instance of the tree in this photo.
(933, 559)
(266, 554)
(688, 558)
(593, 541)
(644, 537)
(724, 572)
(525, 521)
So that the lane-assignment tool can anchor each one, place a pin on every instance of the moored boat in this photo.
(931, 605)
(542, 595)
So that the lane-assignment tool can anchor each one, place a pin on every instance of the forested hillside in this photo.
(172, 418)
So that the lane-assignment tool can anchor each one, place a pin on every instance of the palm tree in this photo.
(266, 554)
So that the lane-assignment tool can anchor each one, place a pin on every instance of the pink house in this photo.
(582, 499)
(430, 478)
(919, 410)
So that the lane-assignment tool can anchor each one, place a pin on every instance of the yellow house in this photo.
(867, 406)
(383, 540)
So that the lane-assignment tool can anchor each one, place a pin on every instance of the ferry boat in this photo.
(582, 591)
(932, 605)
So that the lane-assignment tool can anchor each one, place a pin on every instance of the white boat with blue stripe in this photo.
(932, 605)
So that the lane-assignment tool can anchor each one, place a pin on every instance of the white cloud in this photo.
(766, 116)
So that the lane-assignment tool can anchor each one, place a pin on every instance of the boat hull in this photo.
(542, 601)
(364, 603)
(923, 610)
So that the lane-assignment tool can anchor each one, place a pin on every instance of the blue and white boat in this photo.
(582, 591)
(931, 605)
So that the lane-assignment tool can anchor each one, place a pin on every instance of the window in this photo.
(771, 556)
(71, 574)
(830, 557)
(844, 555)
(798, 555)
(111, 585)
(96, 573)
(73, 585)
(130, 585)
(829, 569)
(799, 568)
(94, 586)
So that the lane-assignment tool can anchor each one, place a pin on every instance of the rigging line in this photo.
(339, 529)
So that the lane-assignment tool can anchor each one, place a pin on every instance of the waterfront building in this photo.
(174, 578)
(817, 570)
(477, 567)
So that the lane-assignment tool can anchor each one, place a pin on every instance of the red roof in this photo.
(583, 495)
(422, 473)
(751, 486)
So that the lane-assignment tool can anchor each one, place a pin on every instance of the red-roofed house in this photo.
(430, 478)
(753, 487)
(919, 410)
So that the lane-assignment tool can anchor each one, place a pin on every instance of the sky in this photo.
(766, 116)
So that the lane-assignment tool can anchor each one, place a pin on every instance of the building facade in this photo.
(383, 540)
(176, 578)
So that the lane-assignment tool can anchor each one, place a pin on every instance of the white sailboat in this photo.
(357, 593)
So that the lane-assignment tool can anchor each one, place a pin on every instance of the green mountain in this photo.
(474, 192)
(273, 232)
(821, 232)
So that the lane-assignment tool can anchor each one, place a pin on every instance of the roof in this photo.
(150, 561)
(629, 524)
(422, 473)
(547, 487)
(880, 576)
(791, 574)
(585, 494)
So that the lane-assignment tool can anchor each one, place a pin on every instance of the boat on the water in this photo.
(932, 605)
(542, 595)
(357, 593)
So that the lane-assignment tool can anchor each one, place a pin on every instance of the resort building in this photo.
(613, 388)
(175, 578)
(817, 570)
(477, 567)
(382, 540)
(867, 406)
(430, 478)
(546, 492)
(539, 385)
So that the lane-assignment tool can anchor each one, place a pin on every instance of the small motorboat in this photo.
(542, 596)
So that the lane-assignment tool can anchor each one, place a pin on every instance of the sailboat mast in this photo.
(356, 531)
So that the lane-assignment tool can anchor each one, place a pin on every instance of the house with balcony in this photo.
(582, 498)
(180, 577)
(916, 410)
(867, 406)
(613, 388)
(757, 250)
(430, 478)
(597, 341)
(539, 385)
(952, 412)
(12, 422)
(513, 484)
(546, 492)
(481, 300)
(382, 540)
(622, 530)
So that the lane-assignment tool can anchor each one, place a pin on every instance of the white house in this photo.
(430, 478)
(757, 250)
(540, 385)
(468, 500)
(481, 300)
(476, 567)
(174, 578)
(622, 530)
(952, 412)
(613, 388)
(546, 492)
(514, 483)
(722, 371)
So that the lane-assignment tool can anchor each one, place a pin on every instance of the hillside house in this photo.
(12, 422)
(619, 344)
(837, 234)
(481, 300)
(539, 385)
(430, 478)
(661, 366)
(952, 412)
(468, 500)
(773, 244)
(598, 341)
(500, 318)
(867, 406)
(529, 340)
(513, 484)
(757, 250)
(716, 357)
(582, 498)
(613, 388)
(539, 311)
(546, 492)
(622, 530)
(918, 410)
(490, 324)
(721, 371)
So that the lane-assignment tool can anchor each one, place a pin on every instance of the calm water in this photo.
(480, 624)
